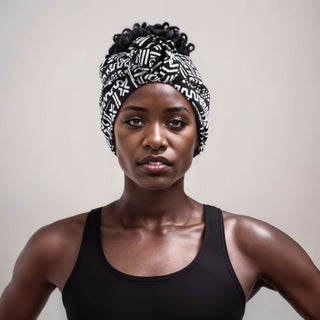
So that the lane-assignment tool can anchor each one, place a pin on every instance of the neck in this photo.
(141, 207)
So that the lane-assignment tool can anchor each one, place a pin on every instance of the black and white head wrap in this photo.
(150, 59)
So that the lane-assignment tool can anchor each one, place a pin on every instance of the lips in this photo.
(155, 165)
(155, 160)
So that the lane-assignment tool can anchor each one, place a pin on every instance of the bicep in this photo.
(29, 289)
(285, 265)
(293, 274)
(23, 302)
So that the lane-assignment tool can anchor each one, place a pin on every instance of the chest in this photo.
(144, 253)
(147, 276)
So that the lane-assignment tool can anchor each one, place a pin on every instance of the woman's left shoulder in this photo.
(259, 238)
(279, 260)
(246, 228)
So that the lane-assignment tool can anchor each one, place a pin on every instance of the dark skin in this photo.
(155, 228)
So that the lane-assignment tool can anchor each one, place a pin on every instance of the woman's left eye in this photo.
(177, 124)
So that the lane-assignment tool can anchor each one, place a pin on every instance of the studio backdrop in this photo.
(260, 61)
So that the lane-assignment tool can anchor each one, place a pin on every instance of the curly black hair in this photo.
(123, 40)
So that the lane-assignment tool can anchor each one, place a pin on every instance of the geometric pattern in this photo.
(150, 59)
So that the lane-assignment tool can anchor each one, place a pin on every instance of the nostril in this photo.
(155, 138)
(155, 147)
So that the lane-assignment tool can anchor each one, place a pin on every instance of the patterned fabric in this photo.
(149, 59)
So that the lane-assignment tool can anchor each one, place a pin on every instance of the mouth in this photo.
(156, 161)
(154, 164)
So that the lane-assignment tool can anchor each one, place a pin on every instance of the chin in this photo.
(155, 183)
(155, 187)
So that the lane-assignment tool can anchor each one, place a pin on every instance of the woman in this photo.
(156, 253)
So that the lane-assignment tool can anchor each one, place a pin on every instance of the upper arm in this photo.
(283, 264)
(29, 287)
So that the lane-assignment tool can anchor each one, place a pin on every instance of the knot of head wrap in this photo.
(150, 59)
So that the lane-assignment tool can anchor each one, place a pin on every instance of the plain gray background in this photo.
(260, 60)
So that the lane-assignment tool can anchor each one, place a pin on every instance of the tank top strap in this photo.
(217, 244)
(212, 214)
(91, 232)
(212, 236)
(88, 248)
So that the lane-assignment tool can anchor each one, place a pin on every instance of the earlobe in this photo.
(114, 145)
(197, 144)
(195, 151)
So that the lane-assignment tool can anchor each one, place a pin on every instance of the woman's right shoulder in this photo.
(61, 232)
(54, 248)
(45, 263)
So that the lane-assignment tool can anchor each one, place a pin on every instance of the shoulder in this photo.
(247, 228)
(278, 260)
(56, 236)
(44, 263)
(258, 239)
(52, 251)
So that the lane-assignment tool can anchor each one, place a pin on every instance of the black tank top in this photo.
(207, 288)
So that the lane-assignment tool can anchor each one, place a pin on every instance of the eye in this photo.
(177, 124)
(134, 122)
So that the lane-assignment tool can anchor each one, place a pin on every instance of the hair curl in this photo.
(166, 32)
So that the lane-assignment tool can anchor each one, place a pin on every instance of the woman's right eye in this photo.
(134, 122)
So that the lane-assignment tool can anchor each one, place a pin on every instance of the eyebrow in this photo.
(168, 110)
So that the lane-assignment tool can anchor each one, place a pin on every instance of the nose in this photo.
(155, 137)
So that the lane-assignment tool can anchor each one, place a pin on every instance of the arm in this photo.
(29, 288)
(282, 264)
(44, 264)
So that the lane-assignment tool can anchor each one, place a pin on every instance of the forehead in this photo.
(157, 96)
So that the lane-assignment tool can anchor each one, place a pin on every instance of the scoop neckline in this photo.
(169, 276)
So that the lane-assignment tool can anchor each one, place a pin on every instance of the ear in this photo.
(197, 143)
(114, 145)
(196, 147)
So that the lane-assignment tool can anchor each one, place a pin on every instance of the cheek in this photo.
(125, 146)
(121, 149)
(123, 156)
(187, 142)
(185, 147)
(119, 138)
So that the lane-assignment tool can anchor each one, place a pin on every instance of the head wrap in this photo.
(150, 59)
